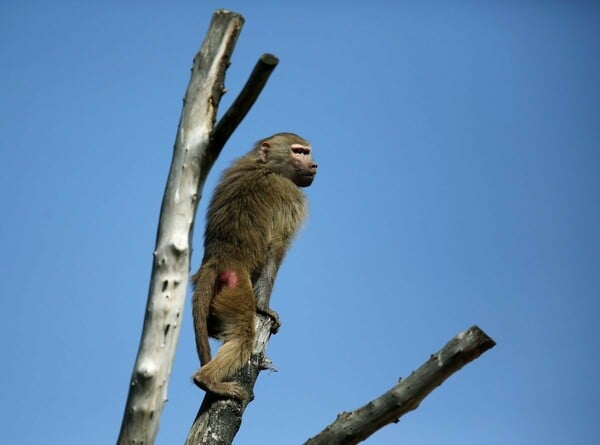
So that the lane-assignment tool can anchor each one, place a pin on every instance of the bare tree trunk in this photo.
(355, 426)
(192, 158)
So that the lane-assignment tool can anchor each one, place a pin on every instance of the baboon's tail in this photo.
(205, 282)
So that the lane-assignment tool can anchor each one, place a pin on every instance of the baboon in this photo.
(255, 211)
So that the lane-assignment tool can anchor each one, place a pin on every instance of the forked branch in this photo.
(197, 146)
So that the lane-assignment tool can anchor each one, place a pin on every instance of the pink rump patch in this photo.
(228, 278)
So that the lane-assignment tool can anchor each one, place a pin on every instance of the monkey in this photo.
(256, 210)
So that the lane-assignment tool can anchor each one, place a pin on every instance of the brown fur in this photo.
(255, 211)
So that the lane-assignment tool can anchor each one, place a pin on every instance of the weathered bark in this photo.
(171, 263)
(353, 427)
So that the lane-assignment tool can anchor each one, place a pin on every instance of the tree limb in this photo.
(242, 104)
(354, 427)
(171, 262)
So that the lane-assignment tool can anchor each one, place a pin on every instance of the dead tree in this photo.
(197, 145)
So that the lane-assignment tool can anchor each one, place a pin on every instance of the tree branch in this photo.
(171, 262)
(354, 427)
(242, 104)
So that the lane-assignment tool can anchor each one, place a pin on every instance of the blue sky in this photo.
(458, 151)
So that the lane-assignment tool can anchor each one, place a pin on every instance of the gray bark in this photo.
(355, 426)
(192, 158)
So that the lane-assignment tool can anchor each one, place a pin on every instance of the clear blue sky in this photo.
(458, 150)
